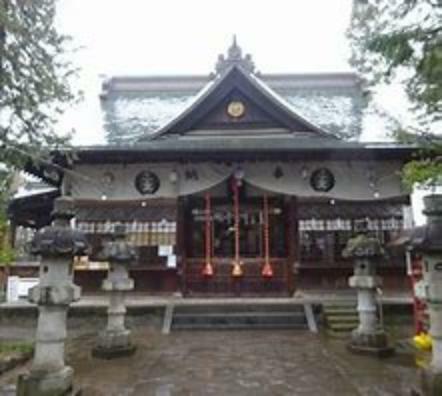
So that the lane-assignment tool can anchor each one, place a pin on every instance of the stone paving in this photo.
(243, 363)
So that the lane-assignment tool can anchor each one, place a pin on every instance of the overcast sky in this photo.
(185, 37)
(175, 36)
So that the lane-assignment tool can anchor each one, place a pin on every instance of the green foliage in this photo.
(427, 173)
(35, 79)
(23, 347)
(6, 252)
(7, 255)
(400, 41)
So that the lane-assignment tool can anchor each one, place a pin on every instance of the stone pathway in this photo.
(243, 363)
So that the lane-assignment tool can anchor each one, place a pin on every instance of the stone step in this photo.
(227, 308)
(344, 335)
(343, 326)
(340, 310)
(339, 306)
(239, 317)
(340, 318)
(239, 326)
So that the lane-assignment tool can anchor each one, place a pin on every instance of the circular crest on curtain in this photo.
(147, 182)
(322, 180)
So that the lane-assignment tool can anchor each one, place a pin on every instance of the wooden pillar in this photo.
(181, 241)
(292, 241)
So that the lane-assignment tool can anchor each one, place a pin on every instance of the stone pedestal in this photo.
(369, 338)
(428, 242)
(57, 245)
(114, 341)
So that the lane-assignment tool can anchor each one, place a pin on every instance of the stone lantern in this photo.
(57, 245)
(114, 341)
(369, 337)
(427, 240)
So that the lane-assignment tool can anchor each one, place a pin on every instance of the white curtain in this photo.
(361, 180)
(353, 181)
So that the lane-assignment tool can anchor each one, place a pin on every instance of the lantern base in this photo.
(113, 344)
(113, 353)
(57, 383)
(374, 344)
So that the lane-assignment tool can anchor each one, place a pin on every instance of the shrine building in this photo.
(236, 183)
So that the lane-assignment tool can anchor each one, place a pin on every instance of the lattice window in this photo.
(348, 224)
(322, 241)
(146, 233)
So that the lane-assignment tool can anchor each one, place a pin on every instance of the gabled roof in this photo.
(137, 108)
(265, 109)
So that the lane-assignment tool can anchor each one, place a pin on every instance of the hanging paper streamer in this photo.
(267, 270)
(237, 270)
(208, 267)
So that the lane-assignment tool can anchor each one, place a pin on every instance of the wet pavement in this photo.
(243, 363)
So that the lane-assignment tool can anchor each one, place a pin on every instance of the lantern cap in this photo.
(119, 250)
(59, 239)
(428, 238)
(363, 246)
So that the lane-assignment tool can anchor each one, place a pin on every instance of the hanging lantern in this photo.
(267, 270)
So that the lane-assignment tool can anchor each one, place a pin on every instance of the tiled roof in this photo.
(338, 113)
(136, 106)
(130, 116)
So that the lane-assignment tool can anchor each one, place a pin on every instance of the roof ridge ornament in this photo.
(234, 58)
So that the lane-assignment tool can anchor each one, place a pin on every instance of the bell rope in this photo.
(208, 266)
(237, 270)
(267, 270)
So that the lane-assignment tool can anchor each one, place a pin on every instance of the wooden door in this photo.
(223, 282)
